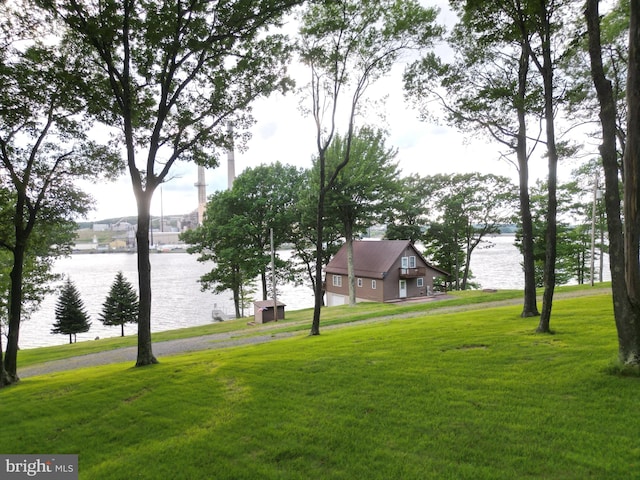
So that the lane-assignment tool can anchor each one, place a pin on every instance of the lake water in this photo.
(178, 302)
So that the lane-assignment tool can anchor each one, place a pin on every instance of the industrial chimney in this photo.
(202, 194)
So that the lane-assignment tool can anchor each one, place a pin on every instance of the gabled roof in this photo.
(372, 259)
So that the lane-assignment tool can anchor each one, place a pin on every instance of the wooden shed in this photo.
(263, 311)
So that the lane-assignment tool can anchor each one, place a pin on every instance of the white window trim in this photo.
(420, 282)
(337, 280)
(412, 262)
(359, 282)
(374, 285)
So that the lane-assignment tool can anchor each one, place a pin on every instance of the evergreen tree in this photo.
(71, 316)
(121, 305)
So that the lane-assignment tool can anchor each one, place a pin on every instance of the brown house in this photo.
(385, 270)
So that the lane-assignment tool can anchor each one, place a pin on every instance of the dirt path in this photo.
(231, 339)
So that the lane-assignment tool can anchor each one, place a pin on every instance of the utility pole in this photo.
(273, 278)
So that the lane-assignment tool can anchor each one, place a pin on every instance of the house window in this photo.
(373, 285)
(412, 262)
(405, 262)
(420, 282)
(337, 280)
(359, 282)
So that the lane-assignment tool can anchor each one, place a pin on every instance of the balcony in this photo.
(413, 272)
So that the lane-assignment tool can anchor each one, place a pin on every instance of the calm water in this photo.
(178, 302)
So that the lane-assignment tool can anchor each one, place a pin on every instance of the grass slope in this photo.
(467, 395)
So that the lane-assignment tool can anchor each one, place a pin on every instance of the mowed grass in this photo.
(297, 320)
(469, 395)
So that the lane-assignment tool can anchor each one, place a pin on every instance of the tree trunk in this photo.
(631, 162)
(467, 261)
(626, 314)
(552, 154)
(263, 280)
(4, 378)
(122, 329)
(145, 353)
(317, 304)
(530, 305)
(350, 267)
(15, 311)
(236, 298)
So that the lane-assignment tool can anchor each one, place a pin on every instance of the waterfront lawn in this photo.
(296, 320)
(470, 395)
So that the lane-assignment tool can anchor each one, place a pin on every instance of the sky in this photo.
(282, 133)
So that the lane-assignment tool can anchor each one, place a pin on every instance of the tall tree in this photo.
(71, 315)
(363, 191)
(121, 304)
(546, 16)
(175, 73)
(489, 91)
(348, 45)
(623, 242)
(266, 197)
(44, 148)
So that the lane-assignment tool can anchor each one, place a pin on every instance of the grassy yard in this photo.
(468, 395)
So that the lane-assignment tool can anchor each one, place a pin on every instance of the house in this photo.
(385, 270)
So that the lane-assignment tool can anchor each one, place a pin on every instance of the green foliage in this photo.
(365, 189)
(221, 239)
(121, 305)
(410, 209)
(235, 233)
(574, 239)
(467, 209)
(383, 408)
(71, 315)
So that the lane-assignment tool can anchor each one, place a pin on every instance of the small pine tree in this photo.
(121, 305)
(71, 316)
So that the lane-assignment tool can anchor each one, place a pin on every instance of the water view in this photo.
(178, 301)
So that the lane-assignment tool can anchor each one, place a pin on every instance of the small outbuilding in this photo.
(264, 312)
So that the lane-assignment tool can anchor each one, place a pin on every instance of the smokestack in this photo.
(231, 161)
(202, 194)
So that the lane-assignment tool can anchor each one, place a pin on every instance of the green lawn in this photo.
(467, 395)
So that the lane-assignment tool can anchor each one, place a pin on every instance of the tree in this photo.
(71, 316)
(470, 207)
(175, 73)
(349, 44)
(623, 242)
(363, 191)
(121, 305)
(409, 210)
(265, 197)
(572, 237)
(44, 149)
(221, 239)
(303, 232)
(487, 89)
(236, 229)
